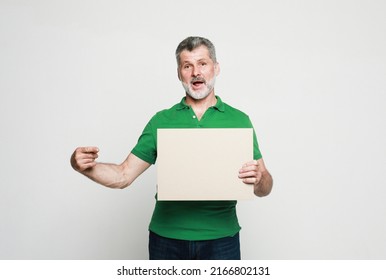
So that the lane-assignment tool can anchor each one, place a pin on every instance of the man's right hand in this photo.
(84, 158)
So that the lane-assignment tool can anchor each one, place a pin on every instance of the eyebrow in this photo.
(199, 60)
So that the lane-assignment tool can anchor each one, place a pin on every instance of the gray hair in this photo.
(192, 43)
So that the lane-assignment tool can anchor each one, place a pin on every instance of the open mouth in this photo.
(198, 82)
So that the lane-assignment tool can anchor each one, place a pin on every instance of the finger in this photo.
(83, 164)
(250, 163)
(251, 180)
(90, 149)
(249, 168)
(81, 157)
(87, 166)
(248, 174)
(87, 161)
(88, 156)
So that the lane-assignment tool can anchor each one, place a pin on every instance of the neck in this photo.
(201, 105)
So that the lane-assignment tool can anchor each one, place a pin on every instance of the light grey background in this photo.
(310, 74)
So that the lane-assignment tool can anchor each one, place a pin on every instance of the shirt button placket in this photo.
(197, 122)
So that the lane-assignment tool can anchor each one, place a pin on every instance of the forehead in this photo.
(198, 53)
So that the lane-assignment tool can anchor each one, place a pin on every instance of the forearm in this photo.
(264, 187)
(108, 175)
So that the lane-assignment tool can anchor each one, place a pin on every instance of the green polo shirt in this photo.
(192, 220)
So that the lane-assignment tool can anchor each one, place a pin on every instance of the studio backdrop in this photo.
(311, 75)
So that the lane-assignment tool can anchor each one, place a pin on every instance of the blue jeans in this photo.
(162, 248)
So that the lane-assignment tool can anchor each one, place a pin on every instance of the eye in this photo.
(186, 66)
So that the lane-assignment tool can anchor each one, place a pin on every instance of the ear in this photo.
(217, 68)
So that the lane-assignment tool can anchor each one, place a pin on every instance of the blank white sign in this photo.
(203, 164)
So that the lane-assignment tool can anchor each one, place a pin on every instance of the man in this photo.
(186, 229)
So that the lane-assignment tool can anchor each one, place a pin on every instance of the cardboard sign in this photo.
(203, 164)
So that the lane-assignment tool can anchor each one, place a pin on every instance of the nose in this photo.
(196, 71)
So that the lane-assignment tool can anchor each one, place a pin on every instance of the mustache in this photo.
(197, 79)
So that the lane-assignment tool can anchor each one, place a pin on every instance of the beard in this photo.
(202, 93)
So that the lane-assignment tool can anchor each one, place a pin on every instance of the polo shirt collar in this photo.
(219, 104)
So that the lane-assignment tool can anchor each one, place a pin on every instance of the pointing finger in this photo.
(89, 149)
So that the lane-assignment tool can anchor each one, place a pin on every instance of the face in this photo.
(197, 72)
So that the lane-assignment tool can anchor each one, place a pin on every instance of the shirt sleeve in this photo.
(146, 147)
(256, 150)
